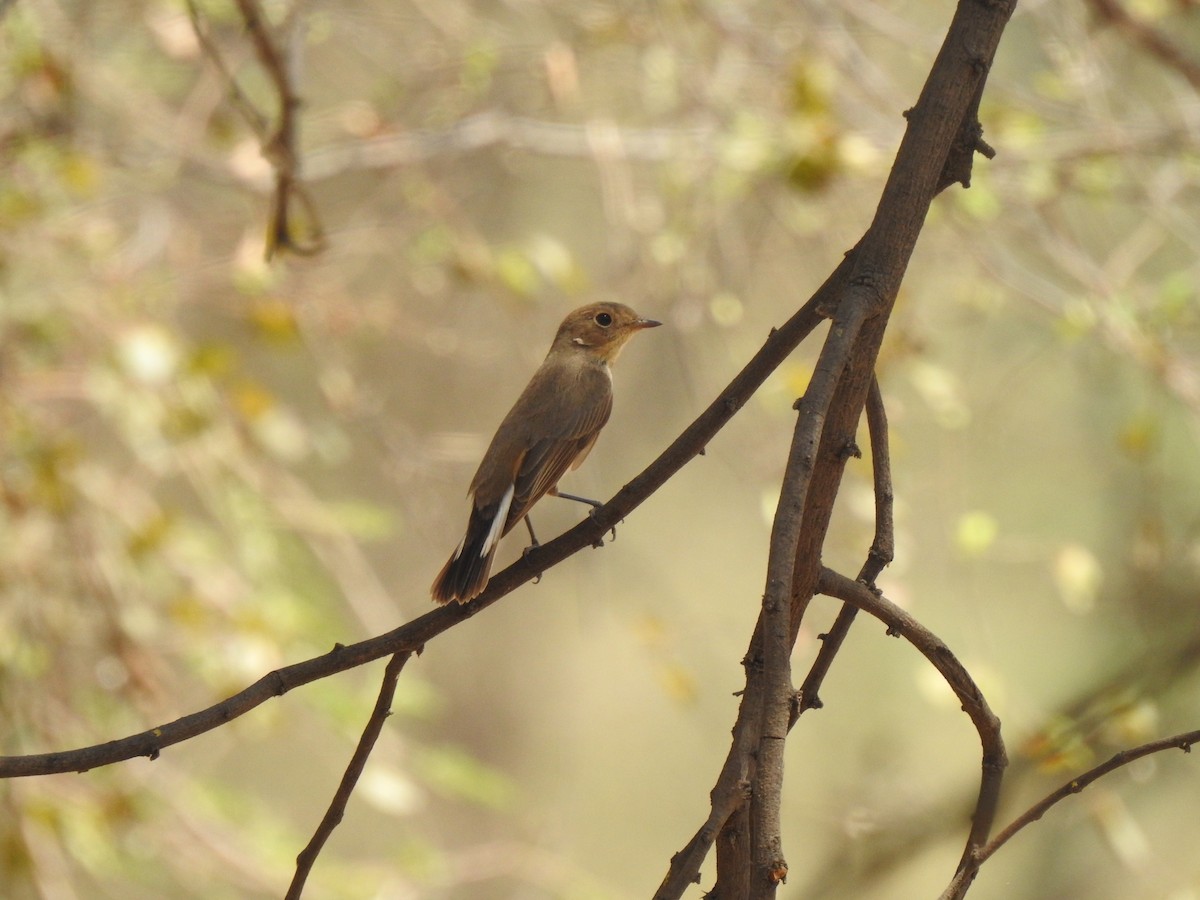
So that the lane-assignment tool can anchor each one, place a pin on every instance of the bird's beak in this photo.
(646, 323)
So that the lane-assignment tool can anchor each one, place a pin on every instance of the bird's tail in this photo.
(466, 572)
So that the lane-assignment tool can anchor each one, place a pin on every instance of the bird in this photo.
(550, 429)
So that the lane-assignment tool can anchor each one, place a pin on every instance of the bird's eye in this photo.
(603, 320)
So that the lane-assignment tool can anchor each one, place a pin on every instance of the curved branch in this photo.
(995, 758)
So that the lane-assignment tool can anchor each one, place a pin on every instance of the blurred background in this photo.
(212, 466)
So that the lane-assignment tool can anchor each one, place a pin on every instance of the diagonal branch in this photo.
(882, 550)
(964, 877)
(414, 634)
(777, 701)
(1152, 41)
(358, 761)
(730, 791)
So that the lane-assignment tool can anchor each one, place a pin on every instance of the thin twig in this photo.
(281, 147)
(731, 789)
(963, 878)
(1149, 39)
(242, 103)
(358, 761)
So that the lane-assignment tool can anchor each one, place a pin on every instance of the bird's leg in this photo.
(533, 545)
(594, 504)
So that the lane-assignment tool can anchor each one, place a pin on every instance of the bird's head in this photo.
(600, 329)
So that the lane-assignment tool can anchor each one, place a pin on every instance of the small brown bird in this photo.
(550, 429)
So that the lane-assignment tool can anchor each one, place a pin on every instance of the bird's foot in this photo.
(599, 542)
(525, 555)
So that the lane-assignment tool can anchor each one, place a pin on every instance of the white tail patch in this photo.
(493, 535)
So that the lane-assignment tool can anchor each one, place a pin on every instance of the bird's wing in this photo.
(556, 446)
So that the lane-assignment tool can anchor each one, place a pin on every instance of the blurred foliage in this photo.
(210, 466)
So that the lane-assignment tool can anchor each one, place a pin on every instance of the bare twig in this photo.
(279, 145)
(963, 878)
(242, 103)
(337, 806)
(1149, 39)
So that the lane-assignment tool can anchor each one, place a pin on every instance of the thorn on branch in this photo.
(850, 451)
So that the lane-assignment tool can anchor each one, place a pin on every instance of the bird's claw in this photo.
(599, 542)
(525, 555)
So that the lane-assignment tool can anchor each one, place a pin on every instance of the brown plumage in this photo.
(550, 429)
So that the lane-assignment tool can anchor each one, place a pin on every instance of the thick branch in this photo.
(777, 703)
(730, 791)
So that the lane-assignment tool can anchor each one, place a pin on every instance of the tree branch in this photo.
(883, 549)
(1154, 42)
(995, 758)
(730, 791)
(358, 761)
(775, 720)
(880, 260)
(413, 635)
(963, 878)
